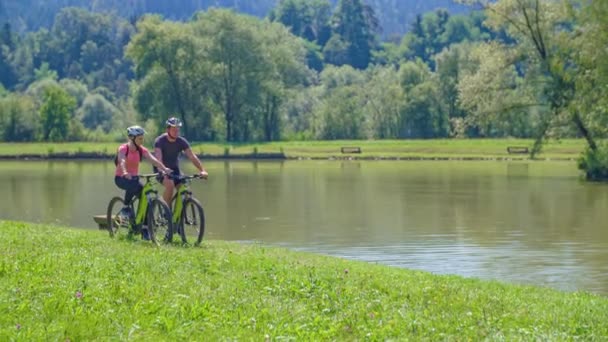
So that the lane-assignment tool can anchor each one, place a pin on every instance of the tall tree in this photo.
(357, 26)
(422, 116)
(542, 33)
(19, 120)
(8, 74)
(384, 99)
(305, 18)
(55, 113)
(172, 71)
(236, 53)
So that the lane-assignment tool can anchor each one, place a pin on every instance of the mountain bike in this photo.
(188, 214)
(151, 211)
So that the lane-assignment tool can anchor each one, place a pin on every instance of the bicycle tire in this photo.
(189, 225)
(160, 226)
(113, 221)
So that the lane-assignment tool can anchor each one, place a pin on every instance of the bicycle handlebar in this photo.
(184, 177)
(147, 176)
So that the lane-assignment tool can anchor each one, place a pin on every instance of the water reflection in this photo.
(534, 223)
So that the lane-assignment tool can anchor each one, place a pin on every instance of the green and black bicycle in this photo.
(188, 214)
(151, 211)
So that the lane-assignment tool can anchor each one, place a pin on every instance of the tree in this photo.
(357, 26)
(421, 115)
(237, 54)
(343, 115)
(340, 113)
(55, 113)
(172, 69)
(19, 120)
(225, 74)
(434, 31)
(592, 95)
(384, 99)
(495, 96)
(305, 18)
(336, 51)
(8, 74)
(285, 55)
(96, 111)
(590, 81)
(543, 32)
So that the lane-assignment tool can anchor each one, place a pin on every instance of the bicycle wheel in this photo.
(159, 221)
(192, 221)
(116, 222)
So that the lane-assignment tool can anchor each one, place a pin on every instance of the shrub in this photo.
(595, 163)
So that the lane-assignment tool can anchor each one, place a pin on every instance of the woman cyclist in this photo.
(127, 165)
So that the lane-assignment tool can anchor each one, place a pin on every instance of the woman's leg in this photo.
(132, 187)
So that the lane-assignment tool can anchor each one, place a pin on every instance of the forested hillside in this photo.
(395, 16)
(313, 70)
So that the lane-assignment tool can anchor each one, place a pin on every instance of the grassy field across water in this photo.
(567, 149)
(63, 284)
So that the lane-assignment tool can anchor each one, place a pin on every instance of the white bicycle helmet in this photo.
(173, 122)
(135, 131)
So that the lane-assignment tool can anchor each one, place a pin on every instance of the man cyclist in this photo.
(167, 148)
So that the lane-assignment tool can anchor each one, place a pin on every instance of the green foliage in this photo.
(96, 111)
(422, 116)
(499, 102)
(45, 72)
(595, 163)
(77, 131)
(76, 89)
(55, 113)
(173, 72)
(8, 72)
(305, 18)
(232, 77)
(19, 120)
(343, 115)
(384, 101)
(356, 26)
(336, 51)
(592, 95)
(434, 31)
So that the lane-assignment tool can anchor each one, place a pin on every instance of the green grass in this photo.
(569, 149)
(63, 284)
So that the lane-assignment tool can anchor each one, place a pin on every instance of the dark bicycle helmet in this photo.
(135, 131)
(173, 122)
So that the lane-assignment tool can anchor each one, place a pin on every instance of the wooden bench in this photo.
(101, 220)
(350, 149)
(517, 149)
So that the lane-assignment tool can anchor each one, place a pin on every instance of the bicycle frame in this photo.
(144, 198)
(183, 192)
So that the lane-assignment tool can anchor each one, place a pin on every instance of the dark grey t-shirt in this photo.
(170, 150)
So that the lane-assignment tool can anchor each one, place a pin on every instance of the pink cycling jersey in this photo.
(132, 160)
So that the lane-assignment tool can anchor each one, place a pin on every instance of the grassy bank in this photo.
(60, 283)
(568, 149)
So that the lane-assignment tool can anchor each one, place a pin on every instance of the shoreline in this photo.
(283, 157)
(398, 150)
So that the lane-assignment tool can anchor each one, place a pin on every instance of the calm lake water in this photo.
(519, 222)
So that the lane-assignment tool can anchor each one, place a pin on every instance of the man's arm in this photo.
(197, 163)
(158, 154)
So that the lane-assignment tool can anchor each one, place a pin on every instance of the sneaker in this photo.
(125, 212)
(144, 233)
